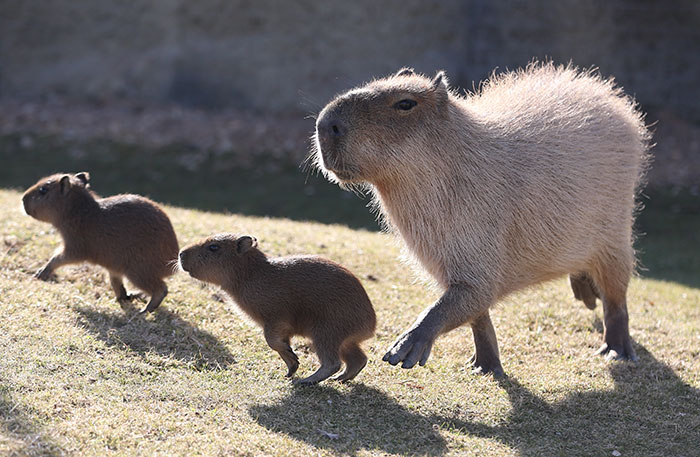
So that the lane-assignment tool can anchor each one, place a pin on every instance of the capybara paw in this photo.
(42, 274)
(410, 348)
(623, 352)
(483, 367)
(305, 382)
(291, 370)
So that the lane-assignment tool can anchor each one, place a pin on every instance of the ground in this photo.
(80, 375)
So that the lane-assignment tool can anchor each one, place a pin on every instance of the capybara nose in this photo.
(329, 128)
(182, 259)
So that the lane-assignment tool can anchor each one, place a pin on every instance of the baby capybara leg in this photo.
(584, 289)
(328, 354)
(355, 360)
(58, 260)
(153, 286)
(612, 278)
(486, 359)
(118, 286)
(157, 297)
(278, 340)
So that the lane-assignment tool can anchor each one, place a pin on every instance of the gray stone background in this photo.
(287, 58)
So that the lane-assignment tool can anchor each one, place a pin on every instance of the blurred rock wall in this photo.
(292, 56)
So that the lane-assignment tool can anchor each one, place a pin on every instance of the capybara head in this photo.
(50, 198)
(220, 258)
(366, 133)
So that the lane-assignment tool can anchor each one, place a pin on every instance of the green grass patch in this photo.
(79, 376)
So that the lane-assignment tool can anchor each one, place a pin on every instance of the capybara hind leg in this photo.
(330, 362)
(355, 360)
(486, 359)
(157, 297)
(584, 289)
(118, 286)
(612, 279)
(279, 341)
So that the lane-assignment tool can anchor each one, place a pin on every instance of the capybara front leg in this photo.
(457, 305)
(117, 284)
(280, 343)
(486, 359)
(59, 259)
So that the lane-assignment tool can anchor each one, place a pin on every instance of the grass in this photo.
(78, 376)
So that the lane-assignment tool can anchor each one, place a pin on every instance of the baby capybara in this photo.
(288, 296)
(129, 235)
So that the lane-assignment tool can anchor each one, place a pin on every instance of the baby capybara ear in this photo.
(64, 184)
(245, 244)
(84, 177)
(405, 71)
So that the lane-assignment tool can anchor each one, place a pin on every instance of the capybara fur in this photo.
(287, 296)
(532, 177)
(129, 235)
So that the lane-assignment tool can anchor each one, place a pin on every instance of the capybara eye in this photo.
(43, 190)
(405, 105)
(213, 247)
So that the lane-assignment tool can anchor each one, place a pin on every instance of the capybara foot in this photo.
(410, 348)
(132, 297)
(623, 352)
(43, 274)
(486, 367)
(322, 373)
(292, 368)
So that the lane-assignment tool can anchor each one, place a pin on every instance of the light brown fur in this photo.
(532, 177)
(288, 296)
(129, 235)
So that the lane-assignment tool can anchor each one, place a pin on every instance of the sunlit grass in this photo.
(78, 377)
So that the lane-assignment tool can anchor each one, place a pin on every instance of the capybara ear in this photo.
(84, 177)
(245, 244)
(405, 71)
(65, 184)
(440, 81)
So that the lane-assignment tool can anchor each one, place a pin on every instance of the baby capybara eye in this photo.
(213, 247)
(405, 105)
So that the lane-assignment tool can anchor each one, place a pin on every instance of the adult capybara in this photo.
(287, 296)
(129, 235)
(531, 177)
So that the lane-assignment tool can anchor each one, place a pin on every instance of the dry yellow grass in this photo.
(78, 377)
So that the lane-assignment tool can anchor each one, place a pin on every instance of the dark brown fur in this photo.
(288, 296)
(129, 235)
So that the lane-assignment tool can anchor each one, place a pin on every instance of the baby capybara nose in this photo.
(183, 256)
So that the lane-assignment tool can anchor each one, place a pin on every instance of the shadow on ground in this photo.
(326, 418)
(19, 432)
(167, 335)
(626, 419)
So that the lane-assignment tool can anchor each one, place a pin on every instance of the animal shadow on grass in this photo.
(348, 422)
(16, 425)
(167, 335)
(650, 412)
